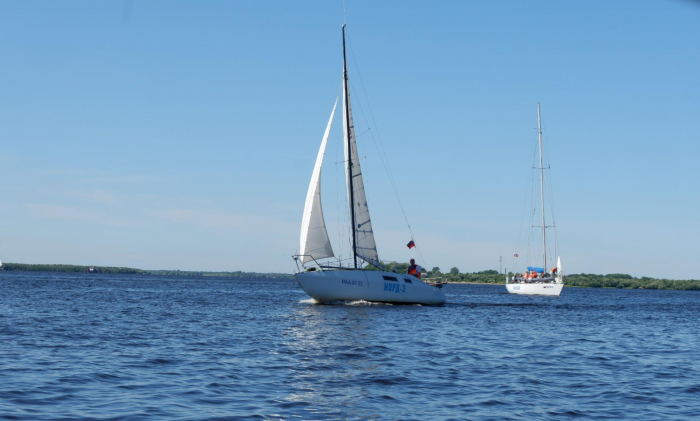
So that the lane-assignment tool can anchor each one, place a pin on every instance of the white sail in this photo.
(365, 246)
(315, 243)
(559, 265)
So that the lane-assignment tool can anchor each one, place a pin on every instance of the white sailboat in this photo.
(539, 280)
(325, 282)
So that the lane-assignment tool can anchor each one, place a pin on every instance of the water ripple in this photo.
(79, 346)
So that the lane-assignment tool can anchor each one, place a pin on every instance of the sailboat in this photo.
(539, 280)
(326, 282)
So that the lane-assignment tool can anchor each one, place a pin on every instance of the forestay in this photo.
(315, 243)
(365, 246)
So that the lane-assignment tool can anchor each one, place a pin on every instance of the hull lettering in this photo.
(352, 283)
(396, 288)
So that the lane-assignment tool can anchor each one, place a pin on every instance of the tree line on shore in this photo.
(29, 267)
(613, 280)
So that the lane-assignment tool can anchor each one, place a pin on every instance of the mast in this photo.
(544, 227)
(349, 163)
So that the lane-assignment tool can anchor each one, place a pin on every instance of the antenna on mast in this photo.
(344, 18)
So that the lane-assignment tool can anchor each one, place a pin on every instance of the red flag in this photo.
(411, 244)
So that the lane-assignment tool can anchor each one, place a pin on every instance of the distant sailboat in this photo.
(324, 282)
(539, 280)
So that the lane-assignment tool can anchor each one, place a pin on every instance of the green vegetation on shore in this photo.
(613, 280)
(620, 280)
(28, 267)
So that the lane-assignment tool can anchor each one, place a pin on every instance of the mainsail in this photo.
(314, 236)
(364, 245)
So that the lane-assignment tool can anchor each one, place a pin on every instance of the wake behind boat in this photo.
(325, 282)
(539, 280)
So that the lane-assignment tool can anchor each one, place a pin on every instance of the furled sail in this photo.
(315, 243)
(364, 246)
(559, 265)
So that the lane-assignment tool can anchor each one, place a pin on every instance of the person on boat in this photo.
(414, 269)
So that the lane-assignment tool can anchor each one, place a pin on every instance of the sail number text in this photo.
(394, 288)
(353, 283)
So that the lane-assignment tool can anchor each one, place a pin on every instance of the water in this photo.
(129, 347)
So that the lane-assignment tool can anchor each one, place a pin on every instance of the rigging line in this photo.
(549, 184)
(556, 236)
(363, 133)
(337, 201)
(382, 151)
(339, 132)
(347, 125)
(530, 191)
(535, 198)
(384, 161)
(550, 188)
(527, 188)
(337, 190)
(532, 201)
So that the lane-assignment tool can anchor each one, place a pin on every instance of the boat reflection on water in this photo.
(333, 344)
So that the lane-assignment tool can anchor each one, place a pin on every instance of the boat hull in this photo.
(373, 286)
(535, 288)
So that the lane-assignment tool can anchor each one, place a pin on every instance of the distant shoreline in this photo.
(568, 286)
(488, 277)
(583, 280)
(96, 270)
(476, 283)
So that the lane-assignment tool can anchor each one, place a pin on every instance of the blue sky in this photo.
(182, 134)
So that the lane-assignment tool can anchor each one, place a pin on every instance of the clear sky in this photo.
(182, 134)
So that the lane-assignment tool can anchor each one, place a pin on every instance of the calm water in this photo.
(123, 347)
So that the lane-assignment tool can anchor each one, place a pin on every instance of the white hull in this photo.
(374, 286)
(535, 288)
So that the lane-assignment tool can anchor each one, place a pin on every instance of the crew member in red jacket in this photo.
(414, 269)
